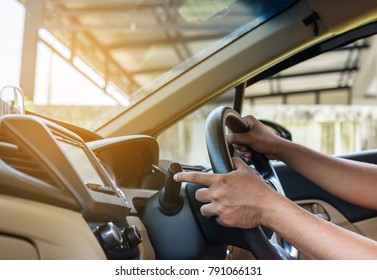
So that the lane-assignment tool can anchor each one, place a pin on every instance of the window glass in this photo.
(88, 61)
(185, 141)
(327, 102)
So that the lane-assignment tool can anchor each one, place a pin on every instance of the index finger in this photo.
(195, 177)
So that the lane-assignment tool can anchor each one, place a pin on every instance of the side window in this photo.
(185, 141)
(328, 102)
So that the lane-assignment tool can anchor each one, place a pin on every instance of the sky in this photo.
(67, 86)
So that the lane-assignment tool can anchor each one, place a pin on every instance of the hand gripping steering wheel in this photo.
(184, 233)
(254, 240)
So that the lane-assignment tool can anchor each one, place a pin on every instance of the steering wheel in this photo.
(255, 240)
(172, 217)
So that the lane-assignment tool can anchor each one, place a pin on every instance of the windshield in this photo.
(84, 62)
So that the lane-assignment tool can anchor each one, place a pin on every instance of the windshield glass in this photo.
(84, 61)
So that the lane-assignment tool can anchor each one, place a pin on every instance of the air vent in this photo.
(61, 136)
(16, 157)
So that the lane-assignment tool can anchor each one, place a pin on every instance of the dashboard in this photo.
(65, 198)
(45, 166)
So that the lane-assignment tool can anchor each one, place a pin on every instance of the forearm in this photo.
(349, 180)
(316, 238)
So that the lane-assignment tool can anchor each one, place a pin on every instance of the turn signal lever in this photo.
(170, 199)
(170, 222)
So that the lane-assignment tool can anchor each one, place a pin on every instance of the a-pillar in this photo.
(34, 11)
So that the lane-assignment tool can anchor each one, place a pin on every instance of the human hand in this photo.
(259, 137)
(237, 199)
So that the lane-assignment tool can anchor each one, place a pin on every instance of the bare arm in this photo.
(352, 181)
(355, 182)
(242, 199)
(317, 238)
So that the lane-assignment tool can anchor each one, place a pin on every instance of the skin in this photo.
(242, 199)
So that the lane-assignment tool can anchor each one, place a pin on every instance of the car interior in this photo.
(70, 192)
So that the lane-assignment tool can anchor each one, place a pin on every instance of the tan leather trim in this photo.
(56, 233)
(368, 228)
(14, 248)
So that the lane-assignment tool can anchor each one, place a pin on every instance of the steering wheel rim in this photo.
(218, 151)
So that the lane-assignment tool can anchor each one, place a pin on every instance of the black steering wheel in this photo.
(255, 240)
(177, 229)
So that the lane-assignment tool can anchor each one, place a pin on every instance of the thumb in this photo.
(236, 138)
(243, 137)
(240, 165)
